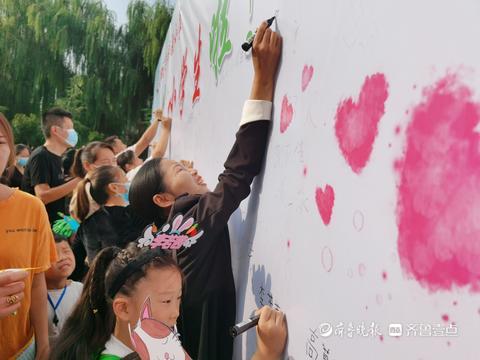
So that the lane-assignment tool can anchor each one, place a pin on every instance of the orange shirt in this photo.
(26, 240)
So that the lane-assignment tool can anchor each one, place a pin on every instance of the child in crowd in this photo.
(87, 158)
(162, 189)
(62, 293)
(131, 163)
(112, 224)
(141, 145)
(116, 288)
(15, 172)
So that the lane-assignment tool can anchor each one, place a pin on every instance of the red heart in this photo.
(286, 115)
(307, 75)
(356, 123)
(325, 200)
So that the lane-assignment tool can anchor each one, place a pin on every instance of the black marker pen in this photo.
(244, 326)
(248, 45)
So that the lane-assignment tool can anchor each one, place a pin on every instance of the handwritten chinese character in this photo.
(196, 68)
(173, 98)
(311, 349)
(313, 335)
(270, 299)
(220, 44)
(183, 77)
(262, 293)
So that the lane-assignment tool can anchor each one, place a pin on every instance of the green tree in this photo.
(27, 130)
(71, 54)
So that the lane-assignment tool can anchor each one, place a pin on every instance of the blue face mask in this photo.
(124, 195)
(22, 161)
(72, 138)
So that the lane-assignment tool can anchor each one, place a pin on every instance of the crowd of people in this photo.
(77, 275)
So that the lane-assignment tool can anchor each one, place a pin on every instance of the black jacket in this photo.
(209, 305)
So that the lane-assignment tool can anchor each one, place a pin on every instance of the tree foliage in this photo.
(70, 53)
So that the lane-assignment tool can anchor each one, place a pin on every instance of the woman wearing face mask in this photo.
(113, 224)
(14, 174)
(88, 158)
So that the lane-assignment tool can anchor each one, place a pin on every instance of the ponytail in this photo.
(92, 321)
(93, 188)
(77, 169)
(82, 200)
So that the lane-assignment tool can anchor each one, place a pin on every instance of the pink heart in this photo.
(438, 191)
(325, 200)
(307, 75)
(356, 123)
(286, 115)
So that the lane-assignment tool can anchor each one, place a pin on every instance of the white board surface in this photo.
(396, 244)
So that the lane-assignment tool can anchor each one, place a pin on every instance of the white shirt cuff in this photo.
(255, 110)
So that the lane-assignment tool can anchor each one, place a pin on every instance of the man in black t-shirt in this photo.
(43, 175)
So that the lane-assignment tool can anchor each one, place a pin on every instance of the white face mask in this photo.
(72, 137)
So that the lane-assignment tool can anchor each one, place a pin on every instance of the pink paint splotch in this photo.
(384, 275)
(362, 269)
(325, 200)
(438, 204)
(356, 122)
(307, 75)
(327, 259)
(286, 115)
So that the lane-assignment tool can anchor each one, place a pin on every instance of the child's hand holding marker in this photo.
(271, 334)
(11, 290)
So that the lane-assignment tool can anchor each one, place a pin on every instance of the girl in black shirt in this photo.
(112, 224)
(162, 189)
